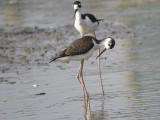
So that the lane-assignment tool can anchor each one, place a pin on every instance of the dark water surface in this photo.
(32, 31)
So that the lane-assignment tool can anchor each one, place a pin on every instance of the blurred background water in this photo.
(32, 31)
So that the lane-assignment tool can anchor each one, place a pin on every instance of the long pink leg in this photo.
(84, 99)
(77, 76)
(94, 35)
(99, 64)
(100, 72)
(83, 84)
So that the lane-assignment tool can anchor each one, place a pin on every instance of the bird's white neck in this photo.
(78, 15)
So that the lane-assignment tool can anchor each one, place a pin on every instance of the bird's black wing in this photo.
(91, 17)
(80, 46)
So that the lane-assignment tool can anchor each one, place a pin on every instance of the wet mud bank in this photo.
(23, 48)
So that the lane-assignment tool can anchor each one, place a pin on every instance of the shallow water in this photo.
(33, 31)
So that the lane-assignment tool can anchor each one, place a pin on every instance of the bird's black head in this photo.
(77, 3)
(76, 6)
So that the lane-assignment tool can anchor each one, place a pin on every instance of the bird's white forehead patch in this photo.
(108, 39)
(75, 6)
(106, 42)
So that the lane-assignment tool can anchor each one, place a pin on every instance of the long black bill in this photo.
(75, 12)
(101, 53)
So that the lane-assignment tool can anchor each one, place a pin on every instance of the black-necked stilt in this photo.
(86, 23)
(80, 50)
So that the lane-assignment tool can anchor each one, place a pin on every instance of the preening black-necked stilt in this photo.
(86, 23)
(80, 50)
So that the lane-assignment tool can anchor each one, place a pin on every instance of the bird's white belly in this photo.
(85, 26)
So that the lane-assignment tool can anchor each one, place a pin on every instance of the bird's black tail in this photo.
(100, 19)
(52, 60)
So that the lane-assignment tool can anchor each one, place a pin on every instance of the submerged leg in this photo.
(100, 72)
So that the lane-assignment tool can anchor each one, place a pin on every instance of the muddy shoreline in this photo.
(31, 32)
(34, 46)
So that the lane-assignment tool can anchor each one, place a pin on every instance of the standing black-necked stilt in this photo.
(86, 23)
(80, 50)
